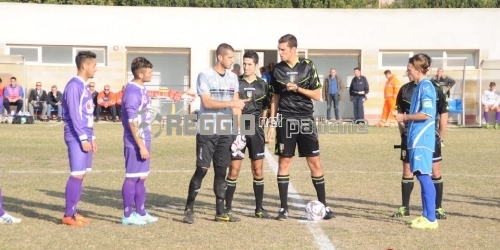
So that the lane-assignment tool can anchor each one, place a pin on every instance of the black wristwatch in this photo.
(84, 140)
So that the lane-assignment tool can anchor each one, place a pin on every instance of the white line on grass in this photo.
(51, 171)
(320, 237)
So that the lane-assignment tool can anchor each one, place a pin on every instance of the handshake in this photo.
(239, 143)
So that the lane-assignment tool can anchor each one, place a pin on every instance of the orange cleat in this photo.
(72, 221)
(81, 218)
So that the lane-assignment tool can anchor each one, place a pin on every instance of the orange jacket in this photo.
(392, 87)
(111, 98)
(119, 97)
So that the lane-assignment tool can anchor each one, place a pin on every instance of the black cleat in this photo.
(329, 214)
(262, 213)
(226, 217)
(188, 216)
(282, 214)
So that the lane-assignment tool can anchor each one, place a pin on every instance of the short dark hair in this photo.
(357, 68)
(252, 55)
(140, 63)
(290, 39)
(82, 56)
(491, 84)
(387, 72)
(222, 48)
(0, 80)
(13, 78)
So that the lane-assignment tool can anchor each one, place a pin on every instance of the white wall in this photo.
(202, 29)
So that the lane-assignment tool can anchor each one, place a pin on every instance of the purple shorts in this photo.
(135, 166)
(80, 161)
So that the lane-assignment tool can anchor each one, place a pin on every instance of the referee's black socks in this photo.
(231, 188)
(283, 181)
(438, 184)
(258, 190)
(406, 188)
(319, 185)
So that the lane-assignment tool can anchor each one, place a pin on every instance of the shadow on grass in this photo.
(31, 209)
(246, 204)
(113, 199)
(476, 200)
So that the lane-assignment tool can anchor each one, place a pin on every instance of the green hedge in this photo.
(343, 4)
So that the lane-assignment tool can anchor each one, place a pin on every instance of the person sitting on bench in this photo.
(37, 100)
(55, 102)
(13, 95)
(106, 101)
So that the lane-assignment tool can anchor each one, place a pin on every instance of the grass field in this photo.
(362, 179)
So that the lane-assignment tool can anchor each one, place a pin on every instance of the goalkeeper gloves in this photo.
(239, 143)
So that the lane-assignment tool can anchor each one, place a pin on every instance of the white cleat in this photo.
(147, 218)
(9, 219)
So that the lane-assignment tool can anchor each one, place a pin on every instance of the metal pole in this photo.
(25, 84)
(480, 93)
(463, 95)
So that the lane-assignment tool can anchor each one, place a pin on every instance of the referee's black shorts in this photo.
(213, 147)
(255, 145)
(436, 157)
(297, 132)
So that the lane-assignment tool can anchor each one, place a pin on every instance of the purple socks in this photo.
(1, 202)
(134, 191)
(497, 117)
(128, 194)
(140, 197)
(73, 194)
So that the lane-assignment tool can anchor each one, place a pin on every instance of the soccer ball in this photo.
(315, 210)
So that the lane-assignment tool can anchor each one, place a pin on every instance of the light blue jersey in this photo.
(421, 133)
(421, 137)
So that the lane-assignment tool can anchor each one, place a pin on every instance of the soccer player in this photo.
(218, 90)
(294, 82)
(256, 91)
(6, 218)
(403, 102)
(421, 138)
(137, 142)
(490, 101)
(78, 109)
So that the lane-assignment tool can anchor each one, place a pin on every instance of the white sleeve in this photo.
(485, 98)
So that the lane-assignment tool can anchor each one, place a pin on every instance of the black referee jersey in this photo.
(303, 73)
(403, 100)
(257, 92)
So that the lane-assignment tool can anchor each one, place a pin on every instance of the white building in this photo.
(181, 41)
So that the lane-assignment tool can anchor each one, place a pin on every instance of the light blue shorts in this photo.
(420, 160)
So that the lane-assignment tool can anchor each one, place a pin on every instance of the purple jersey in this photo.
(136, 108)
(78, 111)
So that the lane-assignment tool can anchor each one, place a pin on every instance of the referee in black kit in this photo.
(294, 83)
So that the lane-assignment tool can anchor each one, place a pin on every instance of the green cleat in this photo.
(440, 213)
(424, 224)
(402, 212)
(487, 125)
(416, 220)
(496, 125)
